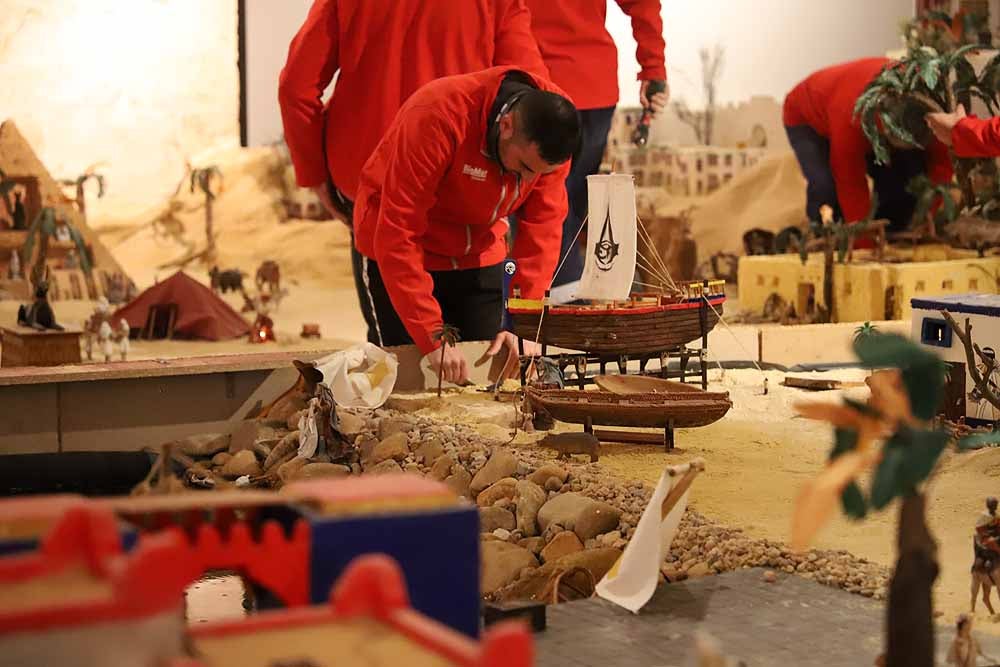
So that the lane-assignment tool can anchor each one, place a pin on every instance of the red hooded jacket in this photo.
(977, 137)
(825, 102)
(431, 199)
(384, 50)
(582, 56)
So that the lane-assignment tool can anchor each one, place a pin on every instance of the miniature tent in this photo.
(194, 311)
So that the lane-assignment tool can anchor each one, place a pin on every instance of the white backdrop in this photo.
(770, 45)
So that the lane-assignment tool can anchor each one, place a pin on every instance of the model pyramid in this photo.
(39, 190)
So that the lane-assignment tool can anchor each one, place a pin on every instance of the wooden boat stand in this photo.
(581, 361)
(634, 437)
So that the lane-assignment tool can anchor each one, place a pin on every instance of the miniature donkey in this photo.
(39, 314)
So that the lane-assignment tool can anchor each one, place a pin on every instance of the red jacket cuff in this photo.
(653, 74)
(425, 343)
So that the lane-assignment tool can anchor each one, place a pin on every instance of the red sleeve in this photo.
(647, 28)
(515, 43)
(423, 148)
(977, 137)
(848, 147)
(312, 62)
(939, 167)
(539, 233)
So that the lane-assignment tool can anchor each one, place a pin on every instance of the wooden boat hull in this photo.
(682, 409)
(631, 330)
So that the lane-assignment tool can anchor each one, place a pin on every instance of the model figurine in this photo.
(14, 268)
(965, 650)
(39, 314)
(986, 554)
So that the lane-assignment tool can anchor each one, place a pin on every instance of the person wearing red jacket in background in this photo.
(836, 157)
(583, 61)
(463, 153)
(969, 136)
(383, 51)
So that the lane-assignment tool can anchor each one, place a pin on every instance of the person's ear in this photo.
(507, 126)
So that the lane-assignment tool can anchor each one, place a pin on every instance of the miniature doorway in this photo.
(160, 322)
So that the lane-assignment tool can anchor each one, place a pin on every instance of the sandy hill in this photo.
(249, 226)
(771, 195)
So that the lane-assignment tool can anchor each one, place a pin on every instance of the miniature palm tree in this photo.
(42, 230)
(893, 434)
(202, 178)
(446, 335)
(893, 107)
(80, 181)
(864, 331)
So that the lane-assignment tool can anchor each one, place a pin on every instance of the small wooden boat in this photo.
(681, 409)
(643, 384)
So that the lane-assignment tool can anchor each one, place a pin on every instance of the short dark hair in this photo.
(552, 123)
(910, 116)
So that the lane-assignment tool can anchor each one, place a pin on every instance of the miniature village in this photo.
(757, 425)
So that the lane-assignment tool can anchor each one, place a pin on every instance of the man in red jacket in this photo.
(383, 51)
(583, 60)
(430, 220)
(969, 136)
(836, 157)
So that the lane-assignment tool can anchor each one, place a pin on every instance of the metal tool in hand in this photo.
(641, 134)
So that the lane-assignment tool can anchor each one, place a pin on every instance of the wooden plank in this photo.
(151, 368)
(629, 437)
(816, 384)
(29, 422)
(132, 414)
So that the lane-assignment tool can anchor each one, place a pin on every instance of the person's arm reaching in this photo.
(647, 28)
(515, 43)
(311, 65)
(848, 147)
(423, 150)
(539, 225)
(977, 137)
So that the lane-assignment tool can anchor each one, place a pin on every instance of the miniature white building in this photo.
(689, 171)
(932, 331)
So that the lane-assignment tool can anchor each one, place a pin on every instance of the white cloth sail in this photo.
(634, 578)
(609, 267)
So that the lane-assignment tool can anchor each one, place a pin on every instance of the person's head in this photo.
(963, 625)
(911, 117)
(539, 133)
(991, 505)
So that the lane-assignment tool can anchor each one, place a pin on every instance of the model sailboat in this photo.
(619, 321)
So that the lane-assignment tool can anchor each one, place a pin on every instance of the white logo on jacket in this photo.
(474, 173)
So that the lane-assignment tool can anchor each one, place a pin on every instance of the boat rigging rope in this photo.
(732, 333)
(541, 315)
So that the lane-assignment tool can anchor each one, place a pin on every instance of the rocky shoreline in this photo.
(540, 516)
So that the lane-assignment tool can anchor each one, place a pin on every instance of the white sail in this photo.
(611, 238)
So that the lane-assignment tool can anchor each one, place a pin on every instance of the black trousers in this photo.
(891, 180)
(470, 299)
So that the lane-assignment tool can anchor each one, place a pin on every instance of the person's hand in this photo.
(456, 368)
(323, 193)
(942, 124)
(505, 342)
(658, 102)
